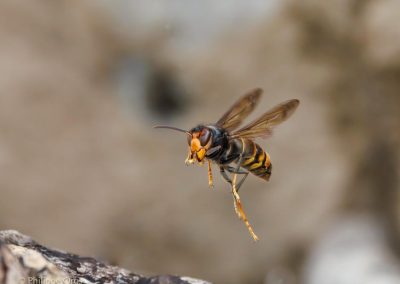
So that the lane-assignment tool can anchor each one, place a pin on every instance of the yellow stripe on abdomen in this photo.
(259, 162)
(250, 160)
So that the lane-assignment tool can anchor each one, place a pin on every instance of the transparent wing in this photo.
(262, 127)
(240, 110)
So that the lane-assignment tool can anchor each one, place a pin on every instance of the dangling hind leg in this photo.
(229, 180)
(239, 208)
(238, 205)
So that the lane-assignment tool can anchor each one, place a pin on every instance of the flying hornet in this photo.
(234, 150)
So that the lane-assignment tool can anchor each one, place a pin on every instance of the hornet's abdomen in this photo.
(256, 160)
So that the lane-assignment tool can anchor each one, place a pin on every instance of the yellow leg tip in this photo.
(240, 212)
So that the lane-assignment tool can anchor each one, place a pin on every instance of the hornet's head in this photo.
(199, 142)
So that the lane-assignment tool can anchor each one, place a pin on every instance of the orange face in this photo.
(199, 142)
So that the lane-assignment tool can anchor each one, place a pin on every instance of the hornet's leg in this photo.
(210, 178)
(239, 209)
(236, 198)
(209, 153)
(224, 175)
(231, 170)
(229, 180)
(245, 173)
(238, 205)
(235, 173)
(189, 160)
(241, 181)
(213, 150)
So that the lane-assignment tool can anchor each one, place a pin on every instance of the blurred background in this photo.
(81, 169)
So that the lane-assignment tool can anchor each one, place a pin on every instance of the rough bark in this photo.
(22, 260)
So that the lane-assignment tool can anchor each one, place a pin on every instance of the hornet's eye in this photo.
(189, 139)
(204, 136)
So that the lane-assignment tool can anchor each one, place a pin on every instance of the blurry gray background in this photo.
(81, 169)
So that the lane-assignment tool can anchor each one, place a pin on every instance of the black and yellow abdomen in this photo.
(256, 160)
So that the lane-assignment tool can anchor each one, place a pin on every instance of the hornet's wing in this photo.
(262, 127)
(240, 110)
